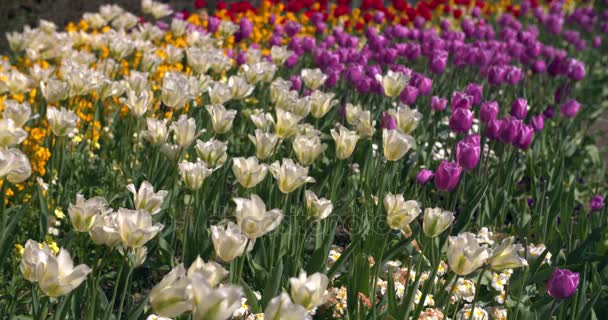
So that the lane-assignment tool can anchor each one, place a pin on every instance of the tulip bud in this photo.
(570, 108)
(438, 104)
(596, 203)
(212, 272)
(562, 283)
(509, 129)
(489, 111)
(465, 255)
(156, 132)
(388, 122)
(287, 124)
(407, 118)
(396, 144)
(519, 109)
(221, 118)
(524, 137)
(493, 129)
(475, 91)
(346, 141)
(184, 131)
(538, 122)
(468, 152)
(213, 303)
(194, 174)
(436, 221)
(228, 241)
(409, 95)
(447, 176)
(461, 120)
(424, 176)
(313, 78)
(265, 143)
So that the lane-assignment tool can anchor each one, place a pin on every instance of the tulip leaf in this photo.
(273, 285)
(252, 299)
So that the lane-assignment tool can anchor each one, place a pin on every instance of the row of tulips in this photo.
(306, 160)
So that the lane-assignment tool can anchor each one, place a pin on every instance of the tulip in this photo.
(221, 118)
(393, 83)
(407, 118)
(364, 125)
(493, 129)
(313, 78)
(388, 122)
(396, 144)
(436, 220)
(34, 259)
(279, 55)
(308, 148)
(248, 172)
(54, 90)
(265, 143)
(253, 219)
(538, 122)
(562, 283)
(400, 213)
(184, 131)
(287, 123)
(489, 111)
(321, 103)
(60, 276)
(289, 175)
(212, 152)
(18, 112)
(475, 91)
(172, 295)
(228, 241)
(135, 227)
(570, 108)
(506, 256)
(509, 129)
(281, 307)
(138, 104)
(519, 109)
(461, 100)
(461, 120)
(239, 87)
(409, 95)
(61, 121)
(346, 141)
(14, 165)
(104, 230)
(309, 291)
(318, 209)
(194, 174)
(447, 175)
(211, 271)
(596, 203)
(465, 255)
(424, 176)
(438, 104)
(214, 303)
(468, 152)
(524, 137)
(176, 90)
(146, 199)
(84, 212)
(156, 132)
(263, 121)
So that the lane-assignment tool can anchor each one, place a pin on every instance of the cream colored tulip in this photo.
(104, 230)
(84, 212)
(60, 276)
(138, 104)
(220, 93)
(317, 208)
(346, 141)
(10, 133)
(393, 83)
(146, 199)
(465, 255)
(214, 303)
(287, 124)
(176, 90)
(184, 131)
(221, 118)
(407, 119)
(61, 121)
(396, 144)
(309, 291)
(54, 90)
(14, 165)
(212, 152)
(262, 120)
(290, 175)
(321, 103)
(436, 220)
(240, 88)
(248, 172)
(265, 143)
(172, 296)
(135, 227)
(400, 213)
(313, 78)
(156, 132)
(34, 260)
(506, 256)
(281, 307)
(213, 272)
(279, 55)
(228, 241)
(308, 148)
(253, 219)
(194, 174)
(364, 125)
(20, 113)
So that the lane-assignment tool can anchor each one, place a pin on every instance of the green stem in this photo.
(114, 293)
(477, 289)
(124, 291)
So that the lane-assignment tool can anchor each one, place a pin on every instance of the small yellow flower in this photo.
(59, 213)
(19, 249)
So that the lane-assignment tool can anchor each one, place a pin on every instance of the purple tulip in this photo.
(539, 66)
(538, 122)
(488, 111)
(597, 42)
(493, 129)
(461, 100)
(388, 122)
(292, 28)
(519, 108)
(468, 152)
(476, 91)
(461, 120)
(438, 63)
(296, 82)
(509, 129)
(447, 176)
(576, 70)
(246, 27)
(241, 58)
(596, 203)
(496, 75)
(409, 95)
(213, 23)
(524, 137)
(424, 86)
(424, 176)
(570, 108)
(549, 112)
(562, 283)
(291, 61)
(438, 104)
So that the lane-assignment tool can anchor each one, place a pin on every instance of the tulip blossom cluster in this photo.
(306, 160)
